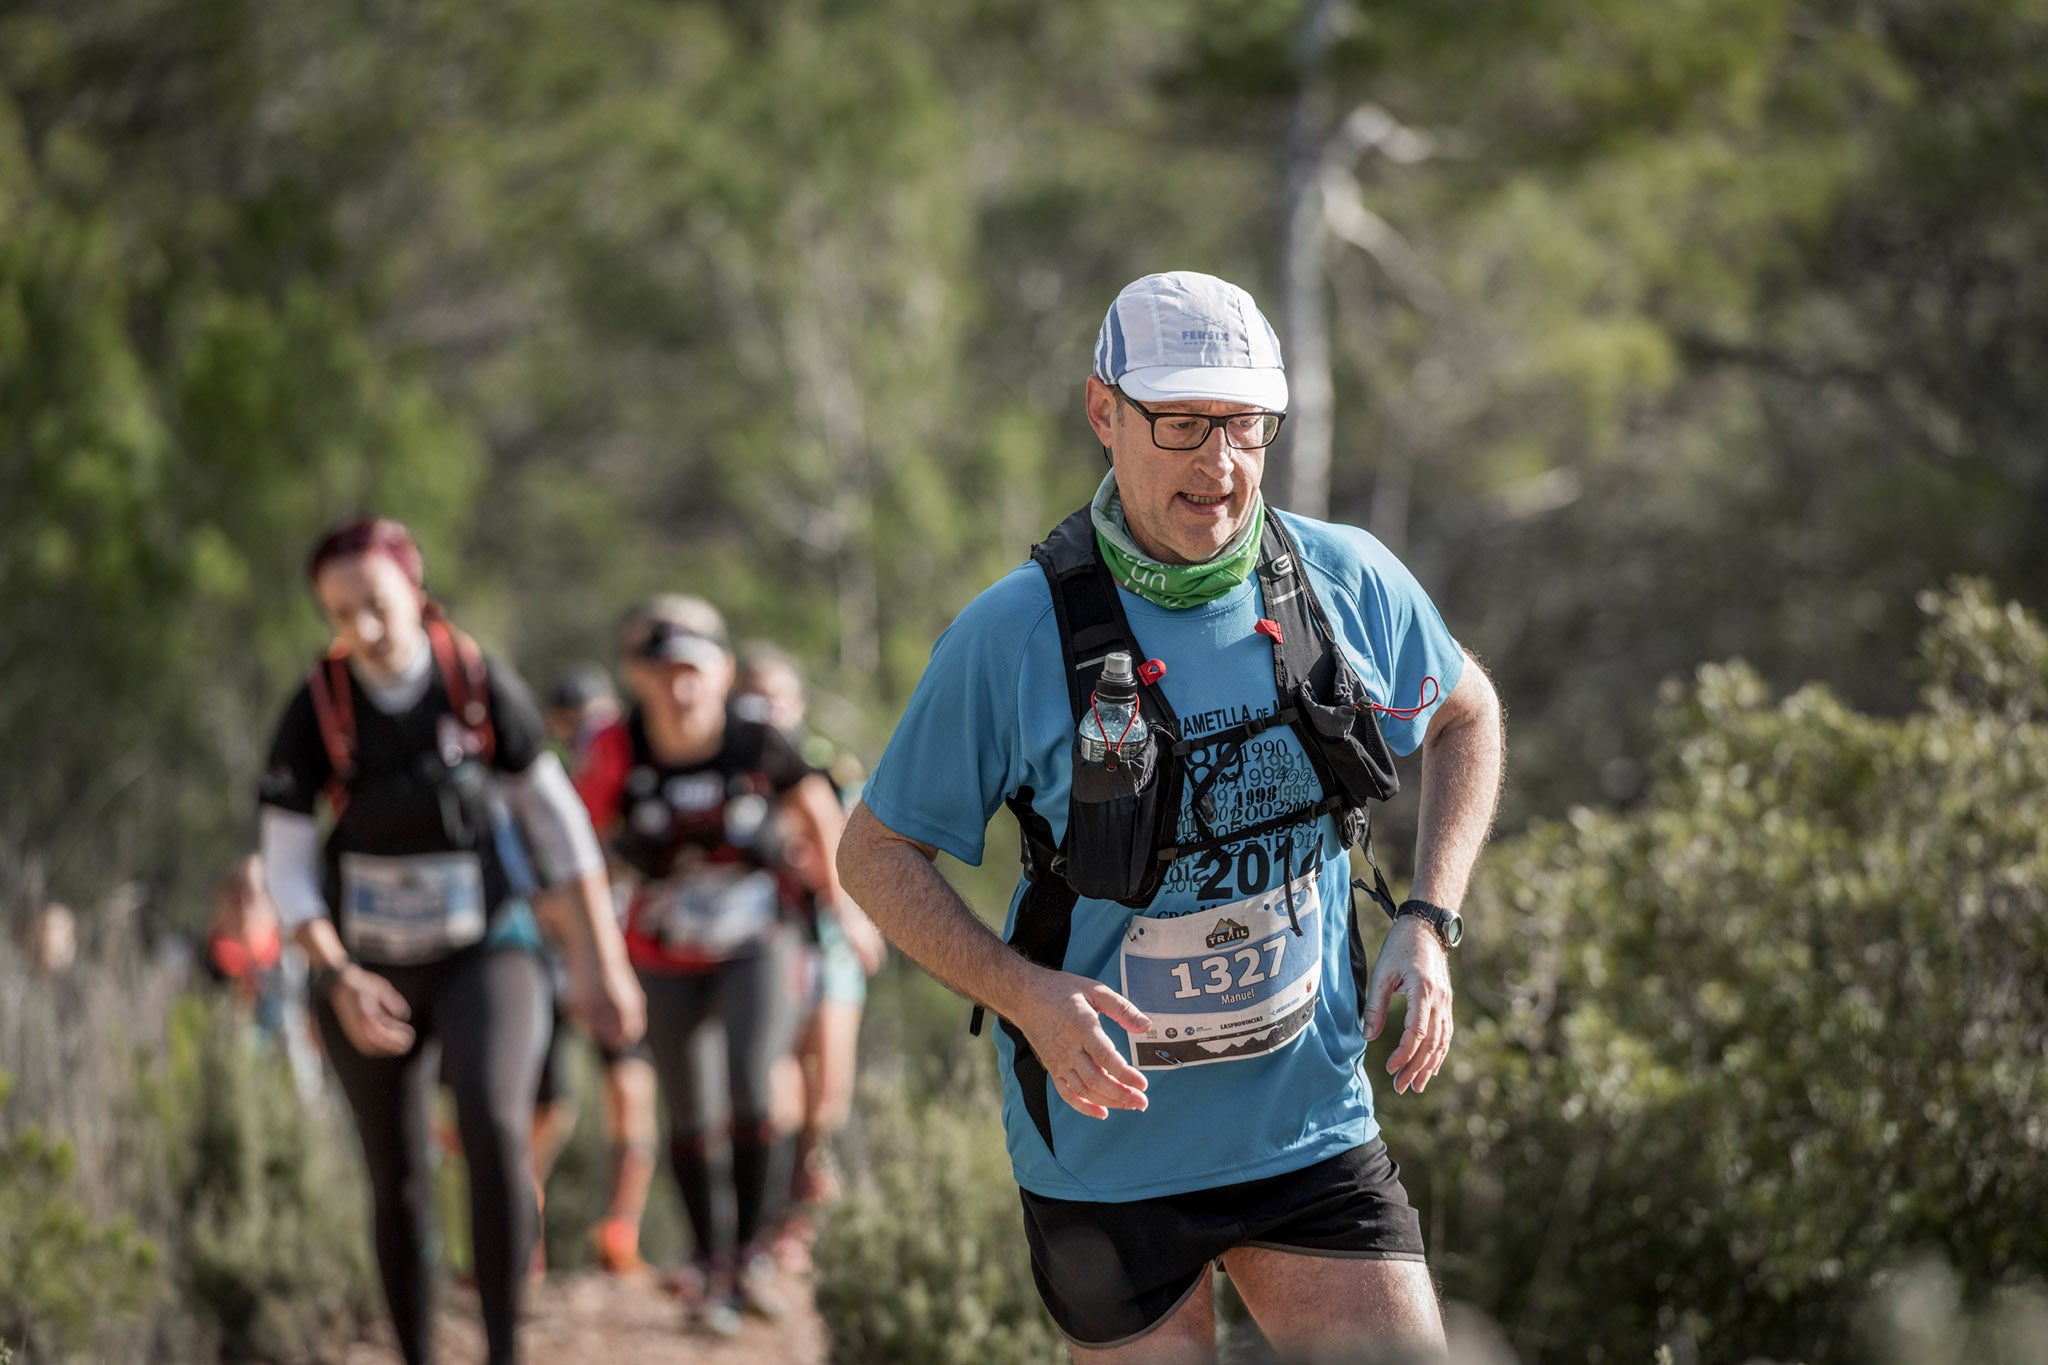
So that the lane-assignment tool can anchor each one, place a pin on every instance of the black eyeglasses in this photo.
(1190, 430)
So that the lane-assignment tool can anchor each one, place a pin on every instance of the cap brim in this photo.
(1262, 388)
(694, 650)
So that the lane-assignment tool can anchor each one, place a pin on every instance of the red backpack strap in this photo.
(334, 708)
(467, 684)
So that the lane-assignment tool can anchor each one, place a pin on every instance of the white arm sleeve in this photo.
(556, 824)
(291, 866)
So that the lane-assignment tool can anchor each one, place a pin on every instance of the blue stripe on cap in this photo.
(1118, 357)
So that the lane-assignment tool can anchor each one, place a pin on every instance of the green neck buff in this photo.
(1173, 586)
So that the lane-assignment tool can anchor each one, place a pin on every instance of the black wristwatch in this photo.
(1448, 924)
(322, 979)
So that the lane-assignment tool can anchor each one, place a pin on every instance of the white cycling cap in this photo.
(1186, 335)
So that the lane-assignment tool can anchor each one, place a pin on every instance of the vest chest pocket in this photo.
(402, 911)
(1116, 819)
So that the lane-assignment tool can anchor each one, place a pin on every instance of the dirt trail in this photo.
(586, 1316)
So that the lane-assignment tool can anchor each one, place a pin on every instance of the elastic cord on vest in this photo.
(1425, 700)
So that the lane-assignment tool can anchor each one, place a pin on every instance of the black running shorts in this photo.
(1110, 1273)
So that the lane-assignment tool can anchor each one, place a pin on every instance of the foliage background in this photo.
(1658, 335)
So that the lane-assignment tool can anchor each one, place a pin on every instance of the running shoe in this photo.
(688, 1282)
(719, 1317)
(617, 1242)
(754, 1287)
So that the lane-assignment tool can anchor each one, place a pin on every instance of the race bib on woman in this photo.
(413, 909)
(1227, 982)
(713, 911)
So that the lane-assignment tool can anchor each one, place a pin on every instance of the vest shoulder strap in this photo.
(1090, 615)
(464, 677)
(1305, 649)
(466, 681)
(335, 711)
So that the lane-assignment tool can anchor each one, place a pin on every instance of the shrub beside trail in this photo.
(1727, 1057)
(61, 1270)
(925, 1258)
(185, 1205)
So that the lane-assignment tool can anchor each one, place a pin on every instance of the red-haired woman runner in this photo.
(417, 914)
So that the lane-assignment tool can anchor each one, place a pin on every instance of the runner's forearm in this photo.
(578, 916)
(812, 806)
(894, 881)
(1462, 760)
(321, 945)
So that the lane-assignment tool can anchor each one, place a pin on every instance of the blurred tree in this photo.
(189, 389)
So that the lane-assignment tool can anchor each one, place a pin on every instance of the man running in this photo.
(1182, 1023)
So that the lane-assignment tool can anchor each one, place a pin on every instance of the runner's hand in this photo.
(371, 1012)
(1062, 1018)
(1412, 963)
(609, 1003)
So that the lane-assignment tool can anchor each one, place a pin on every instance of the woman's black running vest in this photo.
(737, 767)
(1120, 848)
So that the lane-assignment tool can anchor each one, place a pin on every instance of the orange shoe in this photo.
(617, 1241)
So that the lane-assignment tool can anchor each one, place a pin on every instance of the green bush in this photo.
(268, 1200)
(1726, 1058)
(60, 1270)
(925, 1257)
(184, 1124)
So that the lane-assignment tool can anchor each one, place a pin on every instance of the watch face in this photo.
(1453, 929)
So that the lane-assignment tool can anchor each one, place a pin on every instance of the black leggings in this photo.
(716, 1035)
(488, 1011)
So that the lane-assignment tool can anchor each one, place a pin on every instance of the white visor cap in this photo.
(1185, 335)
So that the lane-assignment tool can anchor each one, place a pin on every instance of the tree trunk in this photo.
(1310, 391)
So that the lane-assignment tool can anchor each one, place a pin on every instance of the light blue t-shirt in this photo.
(1255, 1042)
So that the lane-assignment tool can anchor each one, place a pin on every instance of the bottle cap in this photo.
(1117, 676)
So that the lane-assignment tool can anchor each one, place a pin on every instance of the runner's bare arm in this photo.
(1060, 1013)
(575, 907)
(1461, 772)
(604, 993)
(1462, 760)
(812, 805)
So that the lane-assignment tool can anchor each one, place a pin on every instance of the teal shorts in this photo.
(840, 979)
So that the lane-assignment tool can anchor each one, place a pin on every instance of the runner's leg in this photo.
(388, 1097)
(1306, 1303)
(760, 1018)
(492, 1021)
(1186, 1337)
(687, 1038)
(629, 1088)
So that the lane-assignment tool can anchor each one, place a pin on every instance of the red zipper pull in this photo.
(1267, 626)
(1151, 671)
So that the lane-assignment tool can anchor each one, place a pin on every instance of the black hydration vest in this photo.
(1122, 828)
(714, 828)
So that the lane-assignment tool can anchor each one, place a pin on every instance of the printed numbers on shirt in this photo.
(1254, 965)
(1253, 867)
